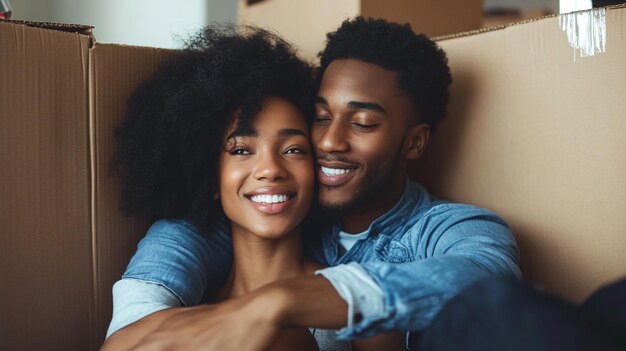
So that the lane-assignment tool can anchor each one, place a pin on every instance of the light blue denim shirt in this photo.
(420, 254)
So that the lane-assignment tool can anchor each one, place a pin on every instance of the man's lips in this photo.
(335, 174)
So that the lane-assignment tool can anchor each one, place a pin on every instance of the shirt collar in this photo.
(412, 195)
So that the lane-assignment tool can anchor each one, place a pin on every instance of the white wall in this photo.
(157, 23)
(525, 4)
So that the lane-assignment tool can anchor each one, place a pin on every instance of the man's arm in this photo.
(129, 336)
(454, 246)
(173, 266)
(451, 246)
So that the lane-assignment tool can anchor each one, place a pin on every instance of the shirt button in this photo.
(358, 317)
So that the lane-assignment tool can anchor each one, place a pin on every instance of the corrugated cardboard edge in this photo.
(93, 317)
(512, 24)
(62, 27)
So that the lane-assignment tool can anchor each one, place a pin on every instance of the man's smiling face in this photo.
(359, 132)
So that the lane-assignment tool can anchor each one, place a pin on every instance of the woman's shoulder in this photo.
(310, 267)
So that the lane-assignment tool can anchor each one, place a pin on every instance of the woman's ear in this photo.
(416, 140)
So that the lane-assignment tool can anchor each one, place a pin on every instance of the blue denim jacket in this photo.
(420, 253)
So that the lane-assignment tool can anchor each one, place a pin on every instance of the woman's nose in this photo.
(269, 167)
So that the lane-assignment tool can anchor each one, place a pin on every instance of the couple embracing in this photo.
(286, 219)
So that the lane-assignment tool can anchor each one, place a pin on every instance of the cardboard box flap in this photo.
(116, 71)
(44, 203)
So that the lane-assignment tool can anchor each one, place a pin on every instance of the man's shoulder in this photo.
(181, 228)
(456, 211)
(434, 211)
(173, 226)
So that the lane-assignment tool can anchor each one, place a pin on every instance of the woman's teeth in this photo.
(269, 199)
(335, 171)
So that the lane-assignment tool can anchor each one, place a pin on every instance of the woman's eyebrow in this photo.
(290, 132)
(243, 132)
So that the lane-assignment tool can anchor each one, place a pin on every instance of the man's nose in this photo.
(333, 139)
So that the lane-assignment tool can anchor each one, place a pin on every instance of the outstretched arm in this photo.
(130, 336)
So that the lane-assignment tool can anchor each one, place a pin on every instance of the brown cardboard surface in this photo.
(432, 17)
(537, 135)
(306, 22)
(116, 72)
(63, 242)
(45, 242)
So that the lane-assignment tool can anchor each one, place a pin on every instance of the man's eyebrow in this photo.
(362, 105)
(356, 105)
(290, 132)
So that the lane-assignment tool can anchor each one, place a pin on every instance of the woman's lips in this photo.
(270, 200)
(271, 207)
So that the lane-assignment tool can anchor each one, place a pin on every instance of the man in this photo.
(397, 254)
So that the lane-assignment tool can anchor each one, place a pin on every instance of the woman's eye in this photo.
(295, 150)
(239, 151)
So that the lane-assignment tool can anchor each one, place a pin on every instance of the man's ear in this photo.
(416, 140)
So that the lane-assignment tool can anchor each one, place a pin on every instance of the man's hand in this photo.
(245, 324)
(250, 322)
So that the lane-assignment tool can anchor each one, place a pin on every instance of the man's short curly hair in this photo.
(173, 133)
(421, 66)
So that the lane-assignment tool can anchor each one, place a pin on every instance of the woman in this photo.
(223, 130)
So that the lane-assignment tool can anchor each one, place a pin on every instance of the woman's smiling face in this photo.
(266, 175)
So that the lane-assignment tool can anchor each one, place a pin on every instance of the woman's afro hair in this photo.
(421, 66)
(171, 138)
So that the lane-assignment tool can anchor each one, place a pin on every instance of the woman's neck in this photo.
(258, 261)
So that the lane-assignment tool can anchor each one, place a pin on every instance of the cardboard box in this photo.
(535, 133)
(306, 22)
(63, 241)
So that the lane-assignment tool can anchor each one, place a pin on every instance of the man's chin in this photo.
(338, 207)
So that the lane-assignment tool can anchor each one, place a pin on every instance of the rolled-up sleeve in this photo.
(136, 299)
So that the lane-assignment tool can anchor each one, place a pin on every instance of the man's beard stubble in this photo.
(370, 190)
